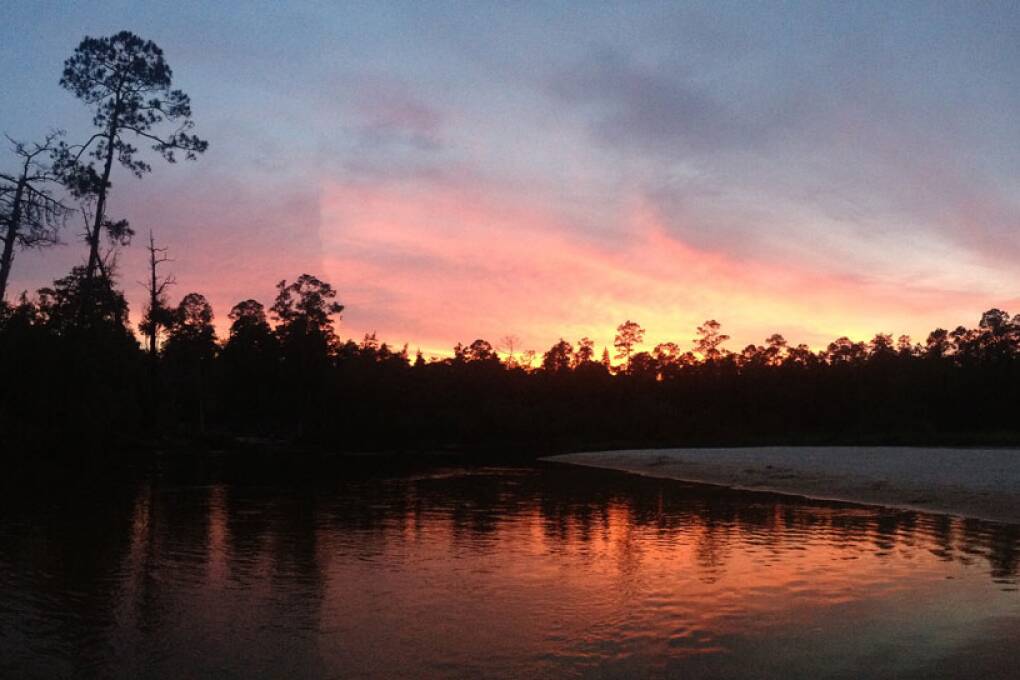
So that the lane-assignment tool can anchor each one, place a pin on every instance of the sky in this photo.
(462, 170)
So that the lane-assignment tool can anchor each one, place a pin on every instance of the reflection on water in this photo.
(523, 572)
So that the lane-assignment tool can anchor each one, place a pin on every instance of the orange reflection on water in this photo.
(537, 572)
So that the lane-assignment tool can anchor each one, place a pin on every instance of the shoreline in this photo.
(978, 483)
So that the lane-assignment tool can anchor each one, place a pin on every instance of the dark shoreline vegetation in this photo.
(77, 385)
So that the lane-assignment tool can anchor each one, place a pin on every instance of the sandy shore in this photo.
(982, 483)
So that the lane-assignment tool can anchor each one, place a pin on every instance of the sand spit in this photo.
(980, 483)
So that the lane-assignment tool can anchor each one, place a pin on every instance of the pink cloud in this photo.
(435, 264)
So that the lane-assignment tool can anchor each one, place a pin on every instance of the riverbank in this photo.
(979, 483)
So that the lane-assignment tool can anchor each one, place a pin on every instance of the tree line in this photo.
(75, 377)
(283, 373)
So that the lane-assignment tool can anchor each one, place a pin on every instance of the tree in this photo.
(508, 344)
(249, 360)
(905, 346)
(248, 328)
(997, 336)
(752, 355)
(643, 364)
(191, 330)
(190, 348)
(60, 305)
(801, 355)
(938, 344)
(304, 313)
(709, 339)
(157, 314)
(881, 346)
(559, 358)
(30, 217)
(480, 350)
(127, 83)
(776, 349)
(369, 347)
(667, 358)
(585, 352)
(845, 351)
(305, 308)
(628, 335)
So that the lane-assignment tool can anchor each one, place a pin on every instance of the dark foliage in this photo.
(69, 379)
(81, 382)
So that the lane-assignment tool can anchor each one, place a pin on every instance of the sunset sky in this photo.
(466, 169)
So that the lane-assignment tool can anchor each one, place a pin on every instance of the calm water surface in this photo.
(534, 572)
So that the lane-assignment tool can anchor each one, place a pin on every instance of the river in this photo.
(535, 571)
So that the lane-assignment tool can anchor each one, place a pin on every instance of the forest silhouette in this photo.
(76, 379)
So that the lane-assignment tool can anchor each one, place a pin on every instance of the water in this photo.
(533, 572)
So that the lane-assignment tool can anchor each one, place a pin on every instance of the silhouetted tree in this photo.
(776, 349)
(30, 217)
(559, 358)
(157, 314)
(905, 346)
(938, 344)
(191, 332)
(304, 313)
(249, 330)
(845, 351)
(643, 365)
(69, 381)
(801, 355)
(60, 304)
(996, 337)
(628, 335)
(881, 347)
(480, 350)
(305, 309)
(509, 344)
(585, 352)
(250, 358)
(127, 83)
(189, 350)
(668, 356)
(709, 340)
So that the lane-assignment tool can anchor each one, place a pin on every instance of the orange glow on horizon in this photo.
(439, 264)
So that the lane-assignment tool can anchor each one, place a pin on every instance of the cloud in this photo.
(388, 109)
(439, 264)
(838, 139)
(628, 104)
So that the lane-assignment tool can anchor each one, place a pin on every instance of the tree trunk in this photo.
(153, 299)
(12, 232)
(153, 333)
(97, 224)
